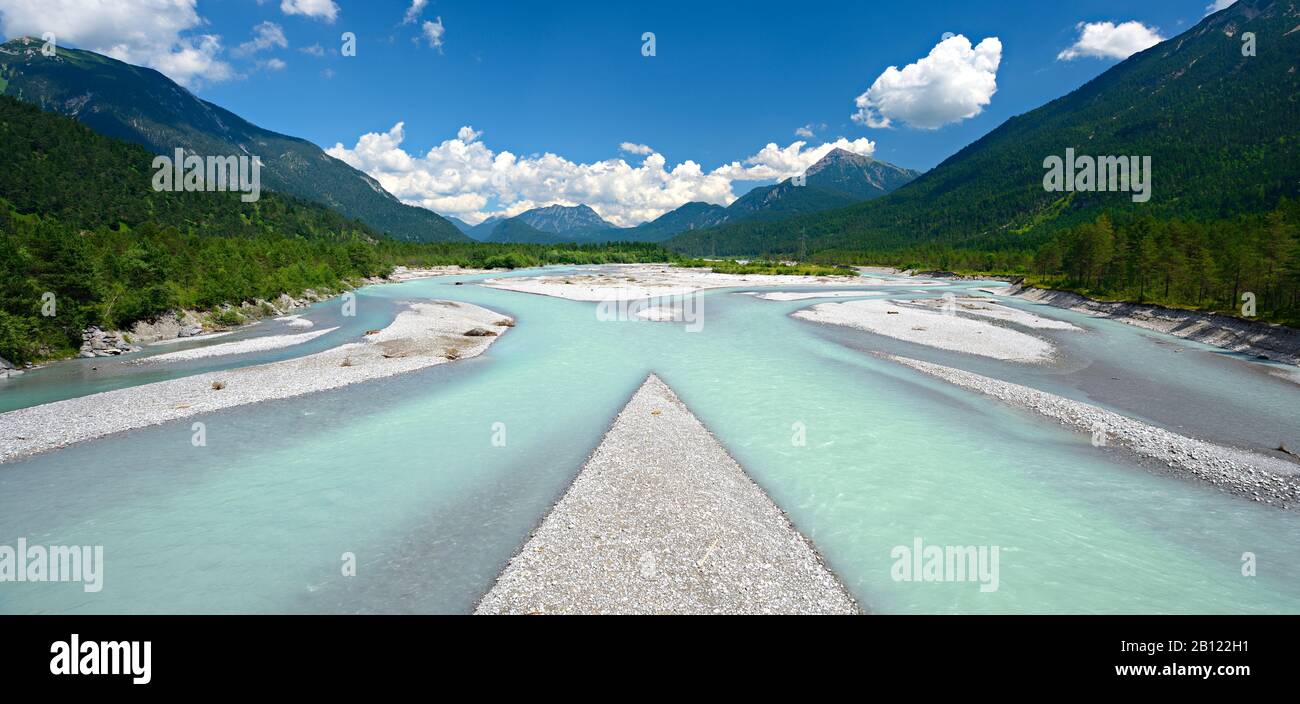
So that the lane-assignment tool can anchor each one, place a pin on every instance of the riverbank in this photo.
(424, 335)
(1275, 342)
(187, 325)
(1258, 477)
(661, 520)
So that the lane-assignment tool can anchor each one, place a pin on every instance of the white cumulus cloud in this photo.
(634, 148)
(952, 83)
(433, 32)
(774, 162)
(413, 12)
(153, 33)
(327, 10)
(1107, 40)
(465, 178)
(266, 35)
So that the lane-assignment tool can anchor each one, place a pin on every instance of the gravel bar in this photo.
(419, 337)
(661, 520)
(919, 325)
(1264, 479)
(256, 344)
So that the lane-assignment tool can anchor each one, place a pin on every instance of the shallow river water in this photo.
(403, 473)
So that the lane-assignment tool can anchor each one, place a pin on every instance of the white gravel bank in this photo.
(797, 296)
(1265, 479)
(419, 337)
(256, 344)
(195, 338)
(983, 308)
(934, 329)
(635, 281)
(401, 273)
(662, 520)
(295, 321)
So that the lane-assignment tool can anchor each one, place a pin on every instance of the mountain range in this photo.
(838, 179)
(143, 106)
(1218, 124)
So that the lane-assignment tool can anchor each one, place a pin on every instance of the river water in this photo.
(403, 474)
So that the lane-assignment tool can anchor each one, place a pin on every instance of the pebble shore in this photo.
(1258, 477)
(661, 520)
(419, 337)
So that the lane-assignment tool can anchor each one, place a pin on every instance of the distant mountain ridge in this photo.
(690, 216)
(551, 224)
(143, 106)
(476, 232)
(564, 220)
(838, 179)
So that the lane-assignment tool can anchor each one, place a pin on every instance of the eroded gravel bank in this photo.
(1276, 342)
(1265, 479)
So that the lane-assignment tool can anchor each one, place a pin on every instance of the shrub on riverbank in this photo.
(1197, 265)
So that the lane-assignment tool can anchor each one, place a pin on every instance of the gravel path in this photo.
(1265, 479)
(662, 520)
(419, 337)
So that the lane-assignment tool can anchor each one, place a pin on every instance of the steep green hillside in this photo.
(79, 219)
(141, 105)
(688, 217)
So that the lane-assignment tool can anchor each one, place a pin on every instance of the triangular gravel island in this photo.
(662, 520)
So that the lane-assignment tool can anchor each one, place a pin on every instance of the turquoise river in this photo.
(402, 472)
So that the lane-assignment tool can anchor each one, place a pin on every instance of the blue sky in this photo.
(726, 78)
(570, 78)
